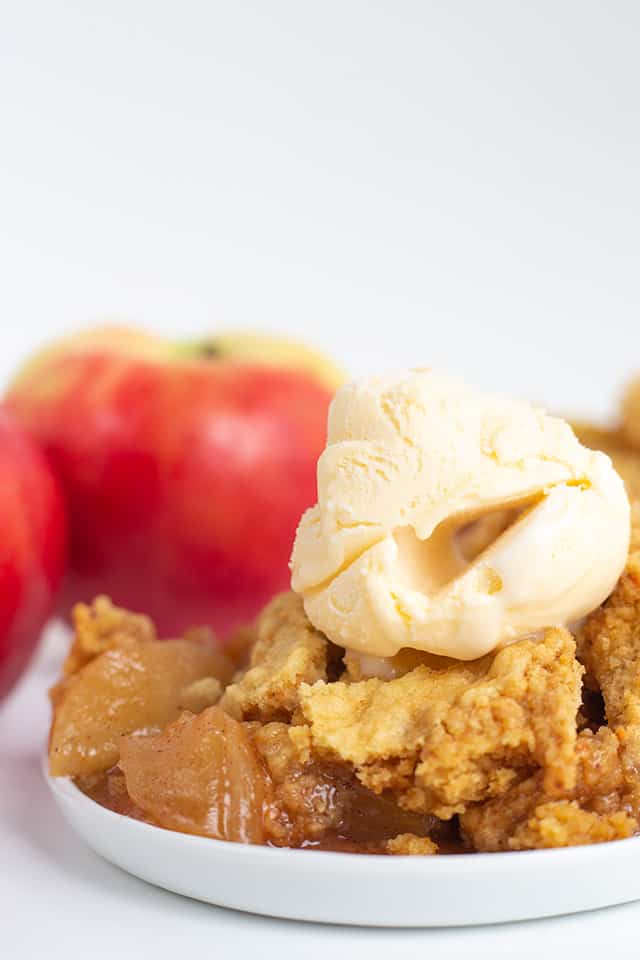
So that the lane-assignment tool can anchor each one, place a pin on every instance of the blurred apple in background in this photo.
(32, 547)
(185, 467)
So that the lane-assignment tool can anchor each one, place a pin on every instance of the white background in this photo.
(443, 183)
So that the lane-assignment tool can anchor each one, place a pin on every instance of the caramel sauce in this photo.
(366, 826)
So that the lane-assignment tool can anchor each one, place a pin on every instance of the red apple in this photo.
(32, 547)
(185, 467)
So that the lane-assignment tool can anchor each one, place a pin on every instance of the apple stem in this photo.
(207, 349)
(198, 350)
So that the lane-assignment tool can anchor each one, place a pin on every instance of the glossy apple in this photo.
(32, 547)
(185, 467)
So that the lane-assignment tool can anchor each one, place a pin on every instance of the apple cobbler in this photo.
(460, 524)
(535, 746)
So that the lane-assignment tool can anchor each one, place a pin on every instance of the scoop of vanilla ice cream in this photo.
(411, 461)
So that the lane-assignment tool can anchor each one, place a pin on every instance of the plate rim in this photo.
(67, 789)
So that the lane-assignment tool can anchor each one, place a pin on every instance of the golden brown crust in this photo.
(408, 844)
(440, 740)
(526, 817)
(523, 713)
(369, 720)
(101, 626)
(563, 823)
(609, 645)
(288, 652)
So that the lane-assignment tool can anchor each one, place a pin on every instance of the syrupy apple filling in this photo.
(287, 740)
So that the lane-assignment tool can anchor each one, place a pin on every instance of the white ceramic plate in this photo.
(359, 888)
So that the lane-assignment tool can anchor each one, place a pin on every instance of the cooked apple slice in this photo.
(202, 775)
(133, 687)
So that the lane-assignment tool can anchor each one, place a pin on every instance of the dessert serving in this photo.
(455, 669)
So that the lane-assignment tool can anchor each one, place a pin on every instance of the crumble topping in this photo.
(288, 652)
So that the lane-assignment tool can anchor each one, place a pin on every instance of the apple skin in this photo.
(185, 469)
(32, 547)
